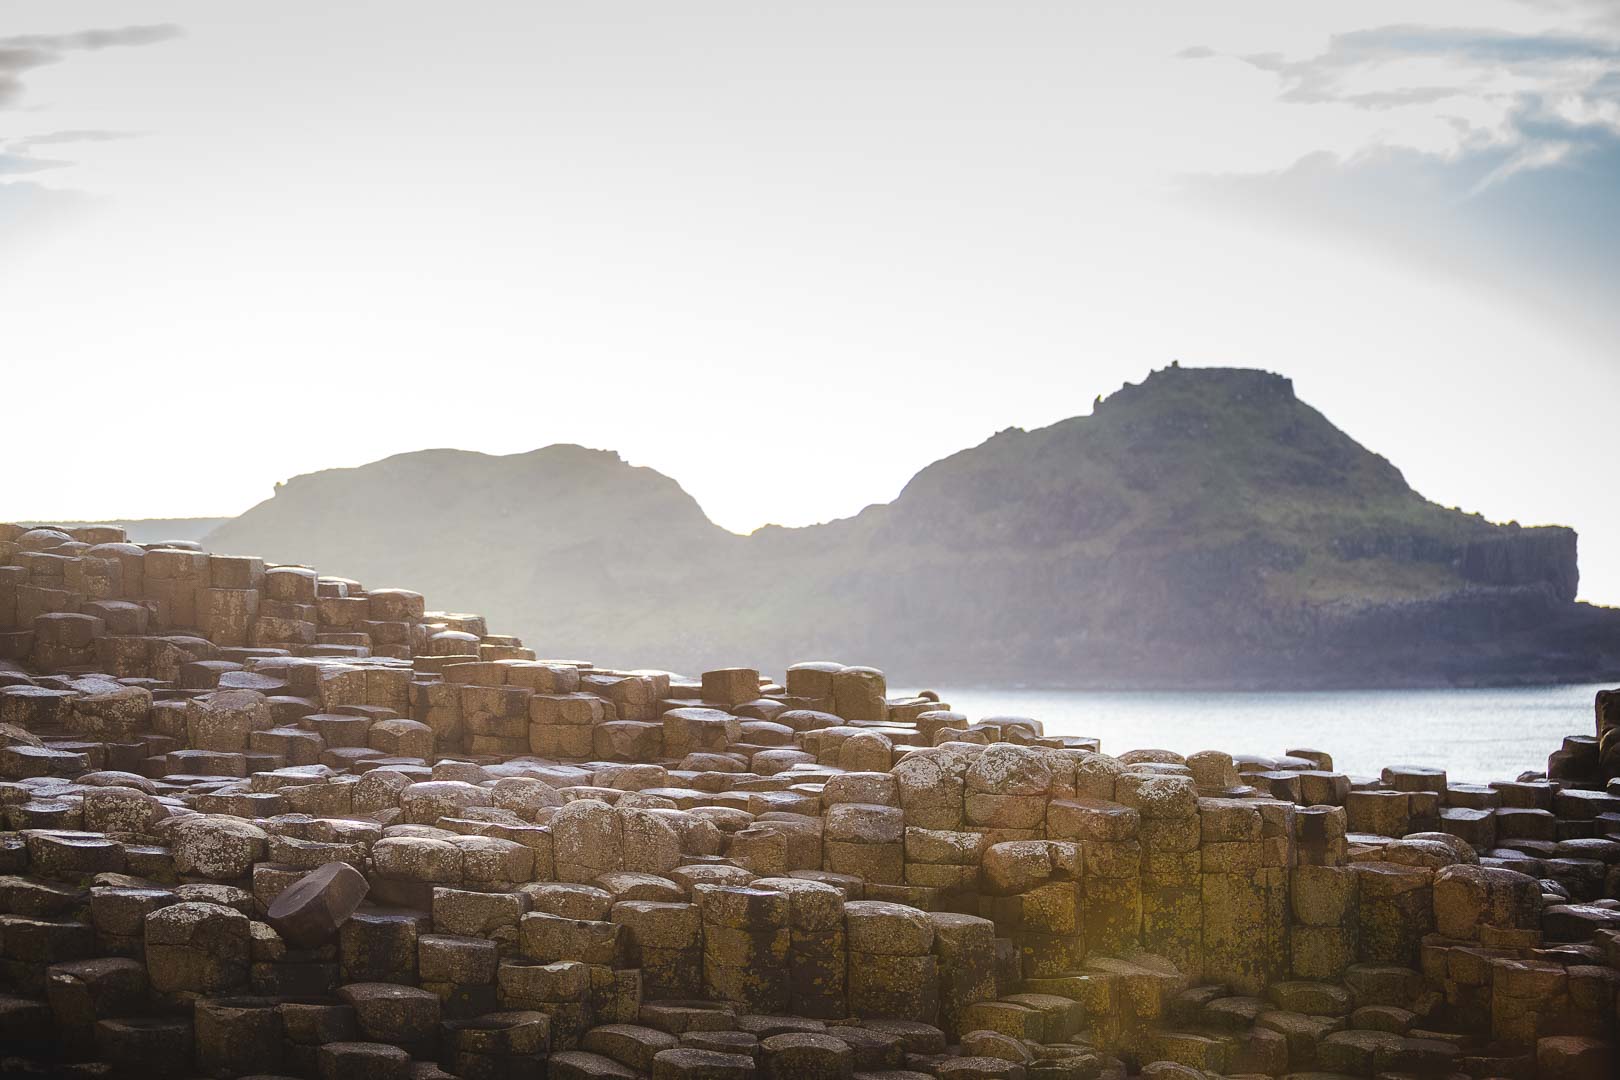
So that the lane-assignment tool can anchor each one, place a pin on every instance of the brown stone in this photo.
(310, 912)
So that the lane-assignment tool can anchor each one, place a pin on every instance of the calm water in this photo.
(1475, 735)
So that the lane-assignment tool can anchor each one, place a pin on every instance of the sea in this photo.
(1476, 735)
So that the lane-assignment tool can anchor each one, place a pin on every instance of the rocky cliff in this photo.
(1202, 528)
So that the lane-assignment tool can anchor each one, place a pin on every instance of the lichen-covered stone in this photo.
(216, 846)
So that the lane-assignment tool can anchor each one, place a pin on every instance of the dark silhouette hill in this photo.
(1202, 528)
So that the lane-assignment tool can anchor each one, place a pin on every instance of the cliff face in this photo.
(1525, 557)
(1204, 527)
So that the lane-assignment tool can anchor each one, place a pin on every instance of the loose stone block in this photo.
(309, 913)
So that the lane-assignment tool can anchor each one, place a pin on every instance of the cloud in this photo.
(1398, 99)
(1470, 53)
(1527, 197)
(24, 52)
(96, 39)
(12, 164)
(1535, 216)
(17, 157)
(29, 210)
(57, 138)
(1603, 13)
(1484, 66)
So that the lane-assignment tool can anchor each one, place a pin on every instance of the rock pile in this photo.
(263, 822)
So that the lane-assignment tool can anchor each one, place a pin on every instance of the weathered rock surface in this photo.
(337, 834)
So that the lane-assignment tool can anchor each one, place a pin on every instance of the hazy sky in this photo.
(791, 253)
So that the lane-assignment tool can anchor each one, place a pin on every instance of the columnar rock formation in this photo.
(263, 822)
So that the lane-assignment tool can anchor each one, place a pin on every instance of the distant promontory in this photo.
(1204, 528)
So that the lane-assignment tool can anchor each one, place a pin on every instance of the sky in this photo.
(791, 253)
